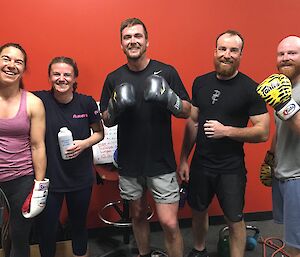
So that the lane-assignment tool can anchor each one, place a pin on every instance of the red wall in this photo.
(181, 33)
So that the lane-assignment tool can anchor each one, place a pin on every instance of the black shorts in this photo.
(229, 189)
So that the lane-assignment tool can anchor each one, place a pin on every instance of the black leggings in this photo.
(16, 191)
(47, 221)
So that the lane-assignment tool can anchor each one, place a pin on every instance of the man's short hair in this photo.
(131, 22)
(231, 33)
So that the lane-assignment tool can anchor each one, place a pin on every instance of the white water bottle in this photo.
(65, 140)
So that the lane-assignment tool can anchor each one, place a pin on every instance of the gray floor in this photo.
(103, 245)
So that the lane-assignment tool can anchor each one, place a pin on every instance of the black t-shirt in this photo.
(231, 102)
(144, 132)
(77, 116)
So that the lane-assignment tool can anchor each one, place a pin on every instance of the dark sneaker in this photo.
(157, 253)
(154, 253)
(196, 253)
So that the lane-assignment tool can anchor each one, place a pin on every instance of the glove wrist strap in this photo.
(288, 110)
(175, 104)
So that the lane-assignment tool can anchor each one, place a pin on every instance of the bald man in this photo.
(286, 147)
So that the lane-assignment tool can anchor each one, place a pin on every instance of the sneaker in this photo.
(196, 253)
(157, 253)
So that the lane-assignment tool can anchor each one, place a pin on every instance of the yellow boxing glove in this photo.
(276, 90)
(267, 169)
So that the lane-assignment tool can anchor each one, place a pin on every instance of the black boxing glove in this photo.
(122, 97)
(158, 90)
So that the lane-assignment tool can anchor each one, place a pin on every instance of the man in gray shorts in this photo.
(141, 96)
(286, 146)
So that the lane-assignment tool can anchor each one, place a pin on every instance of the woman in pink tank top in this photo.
(22, 151)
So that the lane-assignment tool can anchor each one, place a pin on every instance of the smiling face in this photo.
(288, 58)
(227, 56)
(12, 65)
(134, 42)
(62, 78)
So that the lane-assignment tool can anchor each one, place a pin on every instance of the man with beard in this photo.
(140, 97)
(286, 147)
(222, 103)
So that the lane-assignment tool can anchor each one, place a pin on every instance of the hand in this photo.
(276, 90)
(158, 90)
(214, 129)
(36, 200)
(77, 148)
(184, 171)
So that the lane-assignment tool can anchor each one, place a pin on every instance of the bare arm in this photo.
(190, 134)
(97, 136)
(107, 122)
(36, 112)
(186, 110)
(81, 145)
(258, 132)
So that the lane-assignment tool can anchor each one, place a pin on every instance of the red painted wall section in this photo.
(181, 33)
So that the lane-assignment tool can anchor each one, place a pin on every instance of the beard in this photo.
(137, 55)
(227, 70)
(292, 70)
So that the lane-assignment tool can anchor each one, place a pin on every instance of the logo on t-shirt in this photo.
(215, 96)
(80, 116)
(157, 72)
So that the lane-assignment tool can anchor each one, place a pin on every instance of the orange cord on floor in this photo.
(275, 244)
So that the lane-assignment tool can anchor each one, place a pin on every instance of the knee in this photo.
(138, 214)
(237, 227)
(170, 225)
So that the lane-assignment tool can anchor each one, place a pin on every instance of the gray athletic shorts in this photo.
(164, 188)
(286, 208)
